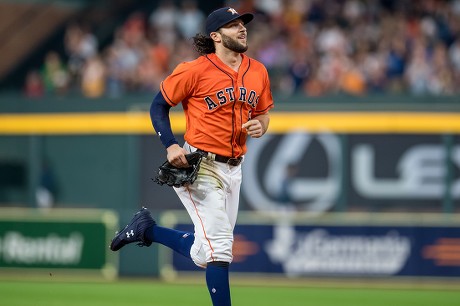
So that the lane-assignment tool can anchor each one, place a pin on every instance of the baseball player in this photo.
(226, 97)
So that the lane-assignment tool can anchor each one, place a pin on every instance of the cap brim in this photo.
(247, 17)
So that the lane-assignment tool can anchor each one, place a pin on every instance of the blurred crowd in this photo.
(311, 47)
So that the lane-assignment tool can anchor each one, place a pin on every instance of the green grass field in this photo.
(55, 292)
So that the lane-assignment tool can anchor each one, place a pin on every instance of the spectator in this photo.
(114, 72)
(418, 71)
(128, 57)
(33, 87)
(454, 55)
(190, 19)
(134, 30)
(162, 22)
(352, 81)
(441, 81)
(80, 44)
(55, 74)
(93, 77)
(151, 70)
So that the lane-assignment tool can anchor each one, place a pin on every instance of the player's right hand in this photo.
(176, 156)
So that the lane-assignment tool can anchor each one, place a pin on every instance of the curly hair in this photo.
(203, 44)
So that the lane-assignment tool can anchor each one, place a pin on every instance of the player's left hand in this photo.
(254, 128)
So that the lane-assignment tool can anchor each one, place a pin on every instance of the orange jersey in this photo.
(217, 100)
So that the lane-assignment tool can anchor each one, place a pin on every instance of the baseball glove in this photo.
(177, 177)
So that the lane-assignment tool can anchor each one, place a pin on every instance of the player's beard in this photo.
(233, 44)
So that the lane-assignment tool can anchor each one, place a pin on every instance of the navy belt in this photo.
(232, 161)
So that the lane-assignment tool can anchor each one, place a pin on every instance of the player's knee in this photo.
(227, 250)
(221, 251)
(224, 253)
(198, 255)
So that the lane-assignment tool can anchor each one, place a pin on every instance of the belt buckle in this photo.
(234, 161)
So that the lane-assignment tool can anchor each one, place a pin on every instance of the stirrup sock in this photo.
(179, 241)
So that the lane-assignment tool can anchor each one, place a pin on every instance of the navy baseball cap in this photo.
(224, 15)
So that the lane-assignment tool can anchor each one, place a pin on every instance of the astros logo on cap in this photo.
(232, 10)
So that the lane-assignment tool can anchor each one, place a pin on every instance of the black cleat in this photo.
(134, 231)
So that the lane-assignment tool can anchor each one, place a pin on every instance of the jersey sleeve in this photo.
(266, 99)
(178, 85)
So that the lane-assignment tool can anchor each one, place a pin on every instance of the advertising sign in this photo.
(300, 171)
(341, 249)
(68, 242)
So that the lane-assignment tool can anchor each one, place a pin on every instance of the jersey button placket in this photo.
(238, 119)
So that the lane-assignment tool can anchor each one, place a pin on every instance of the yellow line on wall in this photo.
(139, 123)
(368, 122)
(76, 123)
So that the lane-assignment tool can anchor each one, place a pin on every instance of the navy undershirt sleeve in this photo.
(159, 114)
